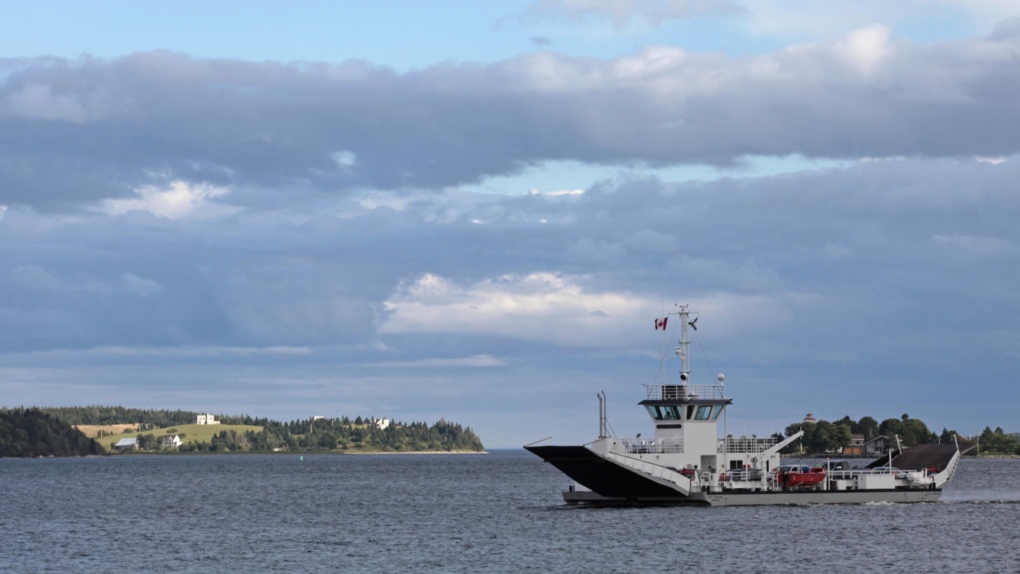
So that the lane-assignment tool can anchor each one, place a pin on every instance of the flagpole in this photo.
(662, 369)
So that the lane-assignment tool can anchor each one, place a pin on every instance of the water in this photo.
(448, 513)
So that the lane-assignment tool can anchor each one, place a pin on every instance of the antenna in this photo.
(685, 341)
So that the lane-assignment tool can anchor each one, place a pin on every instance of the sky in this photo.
(476, 210)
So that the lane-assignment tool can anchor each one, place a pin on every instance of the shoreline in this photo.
(282, 453)
(408, 452)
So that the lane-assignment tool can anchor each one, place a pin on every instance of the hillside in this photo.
(32, 433)
(189, 434)
(246, 434)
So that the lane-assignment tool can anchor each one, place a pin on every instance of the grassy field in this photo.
(191, 433)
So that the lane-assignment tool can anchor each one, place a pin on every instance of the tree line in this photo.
(342, 434)
(116, 415)
(824, 436)
(28, 433)
(308, 435)
(998, 442)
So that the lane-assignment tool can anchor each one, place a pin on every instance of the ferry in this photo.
(686, 462)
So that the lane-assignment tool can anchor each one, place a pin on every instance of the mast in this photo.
(685, 342)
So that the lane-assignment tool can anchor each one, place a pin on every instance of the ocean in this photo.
(500, 512)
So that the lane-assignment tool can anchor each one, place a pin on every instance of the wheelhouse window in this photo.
(716, 411)
(664, 412)
(704, 413)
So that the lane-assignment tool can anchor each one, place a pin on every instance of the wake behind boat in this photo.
(686, 462)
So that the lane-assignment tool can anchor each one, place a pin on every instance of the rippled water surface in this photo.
(447, 513)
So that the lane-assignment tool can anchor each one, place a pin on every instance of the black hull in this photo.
(603, 477)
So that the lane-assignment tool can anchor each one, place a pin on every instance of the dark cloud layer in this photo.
(76, 131)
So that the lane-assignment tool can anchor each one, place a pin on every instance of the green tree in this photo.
(998, 441)
(890, 427)
(868, 427)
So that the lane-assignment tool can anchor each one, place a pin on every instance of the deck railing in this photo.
(745, 444)
(684, 392)
(652, 445)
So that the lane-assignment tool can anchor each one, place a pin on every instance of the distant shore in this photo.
(167, 452)
(415, 452)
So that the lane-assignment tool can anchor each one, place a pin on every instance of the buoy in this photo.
(302, 459)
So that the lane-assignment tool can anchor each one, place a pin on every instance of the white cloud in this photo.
(538, 306)
(557, 192)
(992, 160)
(377, 200)
(865, 49)
(178, 200)
(556, 308)
(346, 160)
(825, 20)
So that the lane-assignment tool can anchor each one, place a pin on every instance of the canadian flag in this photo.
(661, 323)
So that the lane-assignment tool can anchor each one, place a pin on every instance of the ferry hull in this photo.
(766, 498)
(612, 481)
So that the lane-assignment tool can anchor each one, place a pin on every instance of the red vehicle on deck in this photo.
(799, 476)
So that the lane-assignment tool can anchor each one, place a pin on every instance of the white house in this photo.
(206, 419)
(169, 441)
(382, 423)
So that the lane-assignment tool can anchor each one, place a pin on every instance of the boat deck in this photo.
(920, 457)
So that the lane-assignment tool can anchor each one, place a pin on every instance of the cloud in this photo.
(795, 20)
(556, 193)
(273, 133)
(538, 307)
(147, 352)
(623, 13)
(139, 286)
(39, 278)
(39, 102)
(472, 361)
(984, 245)
(178, 200)
(844, 275)
(866, 48)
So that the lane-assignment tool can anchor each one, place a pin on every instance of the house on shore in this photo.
(126, 444)
(856, 446)
(169, 441)
(206, 419)
(877, 446)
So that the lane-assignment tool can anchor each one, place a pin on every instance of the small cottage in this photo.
(169, 441)
(126, 444)
(877, 446)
